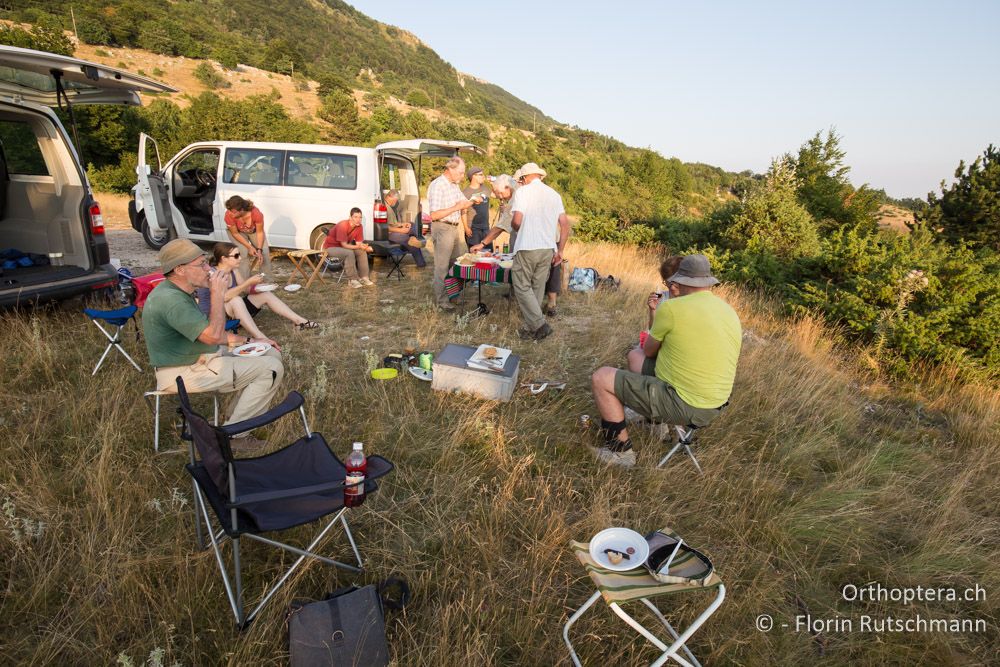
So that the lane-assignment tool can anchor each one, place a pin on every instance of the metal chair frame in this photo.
(114, 340)
(685, 438)
(671, 651)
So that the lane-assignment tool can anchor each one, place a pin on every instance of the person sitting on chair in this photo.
(242, 301)
(685, 372)
(182, 342)
(344, 241)
(403, 233)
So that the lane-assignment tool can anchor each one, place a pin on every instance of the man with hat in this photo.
(182, 342)
(542, 230)
(477, 218)
(685, 371)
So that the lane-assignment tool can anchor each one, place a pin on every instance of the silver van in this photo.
(52, 243)
(299, 188)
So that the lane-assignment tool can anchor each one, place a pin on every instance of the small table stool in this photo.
(116, 318)
(308, 263)
(638, 586)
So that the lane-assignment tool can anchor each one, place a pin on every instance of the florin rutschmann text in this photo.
(889, 622)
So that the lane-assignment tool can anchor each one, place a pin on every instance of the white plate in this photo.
(270, 287)
(294, 287)
(619, 539)
(251, 349)
(421, 374)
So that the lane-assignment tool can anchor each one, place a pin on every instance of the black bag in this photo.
(348, 628)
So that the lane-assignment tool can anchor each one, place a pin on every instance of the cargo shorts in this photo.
(656, 400)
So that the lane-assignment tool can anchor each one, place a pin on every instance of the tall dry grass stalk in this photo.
(814, 478)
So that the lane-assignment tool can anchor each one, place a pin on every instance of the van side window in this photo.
(21, 148)
(253, 165)
(322, 170)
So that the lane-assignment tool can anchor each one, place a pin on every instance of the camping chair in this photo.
(687, 573)
(685, 438)
(152, 398)
(298, 484)
(116, 318)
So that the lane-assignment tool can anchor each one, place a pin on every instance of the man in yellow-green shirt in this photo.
(684, 373)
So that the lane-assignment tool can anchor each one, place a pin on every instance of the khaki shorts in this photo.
(658, 401)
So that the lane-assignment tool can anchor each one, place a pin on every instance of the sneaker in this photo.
(248, 444)
(414, 242)
(446, 306)
(633, 417)
(366, 282)
(354, 284)
(662, 432)
(525, 334)
(543, 332)
(624, 459)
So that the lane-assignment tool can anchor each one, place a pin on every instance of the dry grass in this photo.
(814, 479)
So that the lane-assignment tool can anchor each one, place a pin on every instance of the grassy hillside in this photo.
(815, 477)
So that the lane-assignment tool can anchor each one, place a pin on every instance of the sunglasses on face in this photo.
(235, 255)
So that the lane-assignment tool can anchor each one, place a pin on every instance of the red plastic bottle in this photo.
(357, 468)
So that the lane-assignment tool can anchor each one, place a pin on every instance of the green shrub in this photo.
(593, 228)
(418, 98)
(37, 37)
(210, 77)
(116, 177)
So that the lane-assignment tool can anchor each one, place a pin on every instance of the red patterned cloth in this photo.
(454, 283)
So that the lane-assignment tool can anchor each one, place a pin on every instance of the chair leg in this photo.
(685, 439)
(236, 607)
(682, 640)
(113, 342)
(670, 629)
(573, 619)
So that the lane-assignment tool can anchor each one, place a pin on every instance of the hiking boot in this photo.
(248, 445)
(525, 334)
(354, 284)
(550, 311)
(543, 332)
(624, 459)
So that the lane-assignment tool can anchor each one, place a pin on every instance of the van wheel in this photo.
(317, 237)
(154, 240)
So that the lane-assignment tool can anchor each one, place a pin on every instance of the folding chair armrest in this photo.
(267, 496)
(291, 403)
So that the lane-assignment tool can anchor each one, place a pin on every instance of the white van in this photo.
(52, 243)
(298, 187)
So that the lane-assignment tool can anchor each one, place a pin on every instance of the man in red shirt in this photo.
(344, 240)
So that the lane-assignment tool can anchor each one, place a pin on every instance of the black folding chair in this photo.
(298, 484)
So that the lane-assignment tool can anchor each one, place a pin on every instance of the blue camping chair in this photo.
(117, 318)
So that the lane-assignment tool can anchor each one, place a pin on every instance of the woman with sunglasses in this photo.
(245, 224)
(242, 302)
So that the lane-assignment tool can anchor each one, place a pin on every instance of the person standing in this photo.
(446, 202)
(344, 240)
(245, 225)
(477, 219)
(540, 219)
(503, 188)
(403, 233)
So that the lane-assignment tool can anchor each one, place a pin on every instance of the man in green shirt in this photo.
(685, 371)
(183, 343)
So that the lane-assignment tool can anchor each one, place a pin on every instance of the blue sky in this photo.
(911, 87)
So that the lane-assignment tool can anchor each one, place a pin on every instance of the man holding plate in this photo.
(182, 342)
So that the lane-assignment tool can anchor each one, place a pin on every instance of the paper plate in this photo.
(619, 539)
(251, 349)
(421, 374)
(384, 373)
(269, 287)
(294, 287)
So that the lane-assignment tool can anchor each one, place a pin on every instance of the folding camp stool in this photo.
(639, 586)
(396, 255)
(336, 266)
(308, 263)
(685, 438)
(117, 318)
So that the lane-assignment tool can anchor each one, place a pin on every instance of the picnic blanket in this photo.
(454, 282)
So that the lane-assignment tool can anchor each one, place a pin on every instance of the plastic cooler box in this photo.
(452, 374)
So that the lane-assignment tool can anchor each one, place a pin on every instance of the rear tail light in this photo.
(96, 220)
(381, 214)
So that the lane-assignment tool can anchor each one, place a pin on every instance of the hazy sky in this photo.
(912, 87)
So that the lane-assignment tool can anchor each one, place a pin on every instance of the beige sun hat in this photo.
(532, 168)
(177, 252)
(694, 271)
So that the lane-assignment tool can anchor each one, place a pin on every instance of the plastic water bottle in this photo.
(357, 467)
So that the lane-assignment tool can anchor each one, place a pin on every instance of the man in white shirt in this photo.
(446, 202)
(542, 229)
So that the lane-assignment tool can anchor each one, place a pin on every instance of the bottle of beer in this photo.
(357, 467)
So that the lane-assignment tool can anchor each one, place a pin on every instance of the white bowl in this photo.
(294, 287)
(619, 539)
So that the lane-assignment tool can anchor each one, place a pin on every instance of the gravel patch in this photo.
(128, 247)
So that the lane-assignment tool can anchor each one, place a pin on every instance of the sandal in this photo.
(308, 324)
